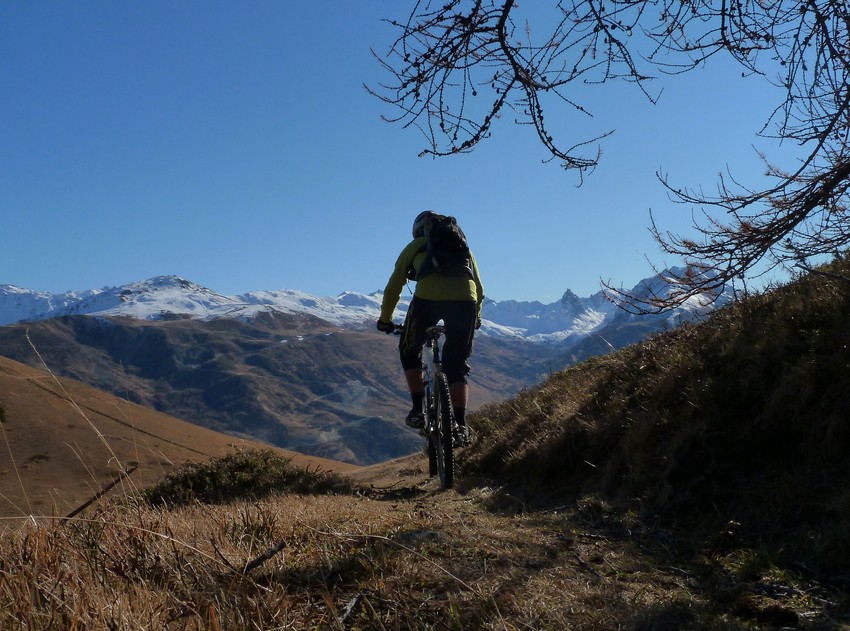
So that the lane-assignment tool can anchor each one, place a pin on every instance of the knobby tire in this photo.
(431, 440)
(443, 435)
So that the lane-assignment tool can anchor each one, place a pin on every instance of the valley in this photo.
(288, 380)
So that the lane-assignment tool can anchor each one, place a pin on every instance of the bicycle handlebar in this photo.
(433, 331)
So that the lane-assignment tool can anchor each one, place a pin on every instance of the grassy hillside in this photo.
(695, 481)
(744, 419)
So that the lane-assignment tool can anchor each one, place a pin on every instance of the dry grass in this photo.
(395, 553)
(436, 561)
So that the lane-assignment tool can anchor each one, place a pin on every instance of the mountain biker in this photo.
(455, 299)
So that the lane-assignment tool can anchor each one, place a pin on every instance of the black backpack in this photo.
(446, 251)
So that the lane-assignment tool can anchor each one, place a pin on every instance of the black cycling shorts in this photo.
(458, 316)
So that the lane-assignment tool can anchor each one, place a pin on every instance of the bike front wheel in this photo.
(441, 439)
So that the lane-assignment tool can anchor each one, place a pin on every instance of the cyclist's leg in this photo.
(459, 391)
(459, 317)
(415, 380)
(419, 318)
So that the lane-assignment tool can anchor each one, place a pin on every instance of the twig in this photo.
(265, 556)
(221, 556)
(583, 564)
(100, 493)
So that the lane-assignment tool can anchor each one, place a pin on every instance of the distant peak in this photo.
(169, 281)
(158, 283)
(571, 302)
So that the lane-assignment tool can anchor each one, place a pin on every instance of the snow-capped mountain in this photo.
(17, 304)
(563, 322)
(167, 297)
(569, 317)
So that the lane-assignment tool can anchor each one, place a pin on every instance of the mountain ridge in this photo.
(562, 323)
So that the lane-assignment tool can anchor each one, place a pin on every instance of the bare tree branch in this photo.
(458, 66)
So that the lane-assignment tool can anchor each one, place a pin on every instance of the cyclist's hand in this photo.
(386, 327)
(477, 323)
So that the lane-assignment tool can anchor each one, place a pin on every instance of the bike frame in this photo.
(431, 353)
(439, 417)
(440, 426)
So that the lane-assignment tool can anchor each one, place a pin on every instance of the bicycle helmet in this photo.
(421, 222)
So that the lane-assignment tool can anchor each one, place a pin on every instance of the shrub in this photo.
(241, 475)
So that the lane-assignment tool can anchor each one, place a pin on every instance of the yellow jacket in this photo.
(433, 286)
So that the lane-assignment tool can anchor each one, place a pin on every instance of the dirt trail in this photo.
(479, 551)
(497, 561)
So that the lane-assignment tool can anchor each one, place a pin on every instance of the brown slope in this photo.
(63, 442)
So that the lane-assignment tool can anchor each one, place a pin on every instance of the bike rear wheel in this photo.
(430, 435)
(441, 438)
(431, 451)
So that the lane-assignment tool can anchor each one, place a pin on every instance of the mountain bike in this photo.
(440, 427)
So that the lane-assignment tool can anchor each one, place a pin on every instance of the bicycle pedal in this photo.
(461, 438)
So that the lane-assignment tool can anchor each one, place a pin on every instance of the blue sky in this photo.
(232, 143)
